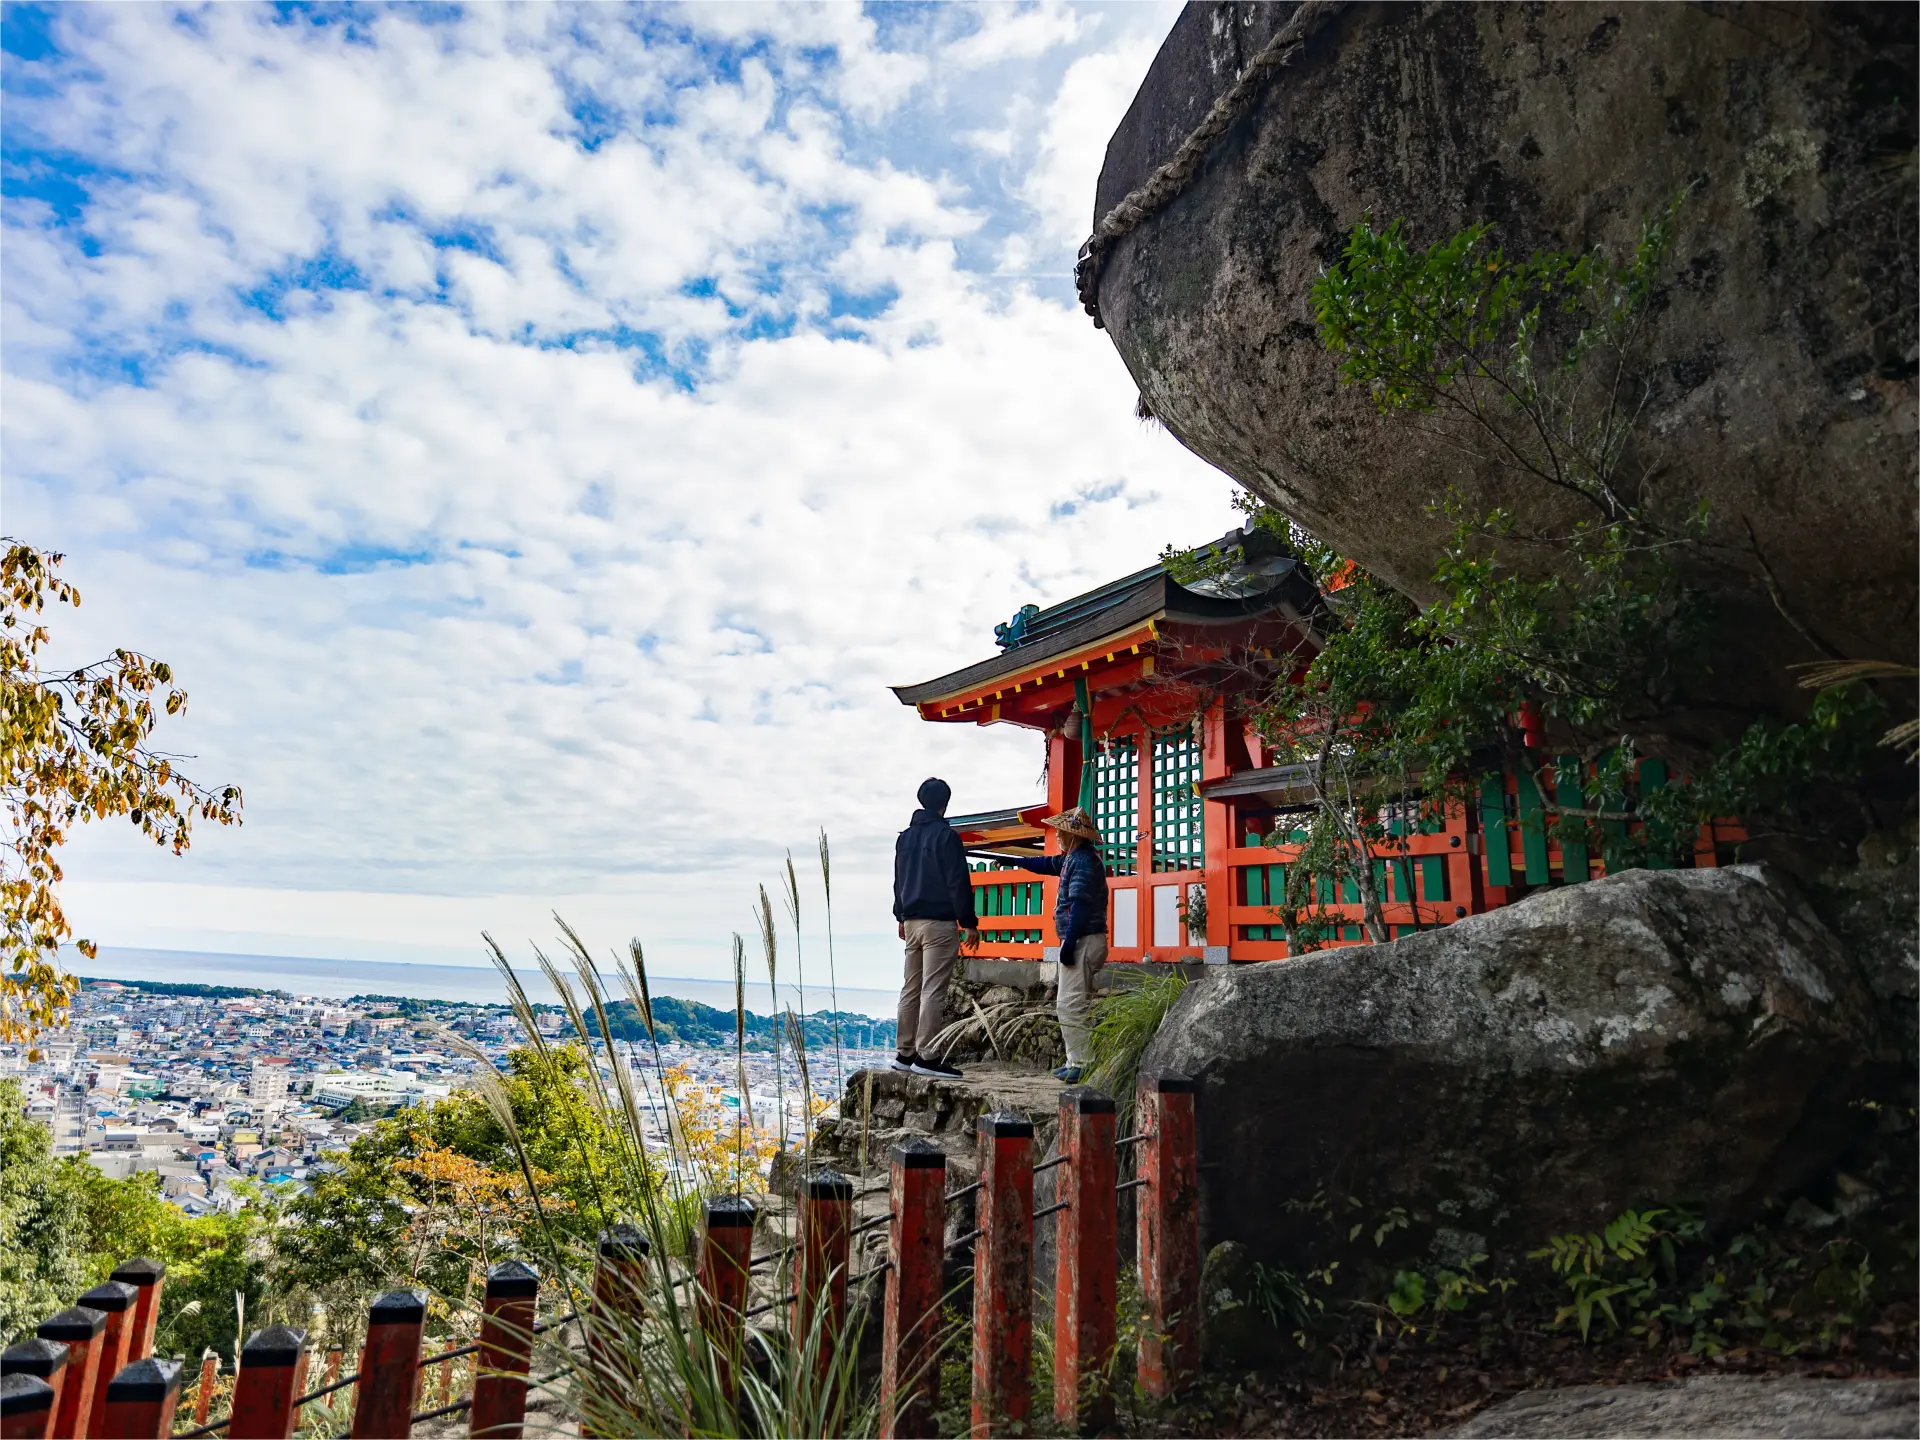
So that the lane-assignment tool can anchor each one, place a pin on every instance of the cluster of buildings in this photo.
(218, 1096)
(225, 1097)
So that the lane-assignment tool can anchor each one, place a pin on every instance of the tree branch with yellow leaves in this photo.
(76, 750)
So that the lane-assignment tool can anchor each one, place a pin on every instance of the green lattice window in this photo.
(1116, 802)
(1177, 843)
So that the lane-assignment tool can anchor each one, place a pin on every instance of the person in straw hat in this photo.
(1080, 920)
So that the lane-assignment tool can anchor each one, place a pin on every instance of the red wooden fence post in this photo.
(203, 1392)
(389, 1366)
(910, 1344)
(80, 1330)
(26, 1406)
(1086, 1284)
(820, 1305)
(726, 1250)
(114, 1299)
(273, 1371)
(147, 1277)
(619, 1300)
(45, 1361)
(1003, 1277)
(506, 1351)
(1169, 1228)
(138, 1402)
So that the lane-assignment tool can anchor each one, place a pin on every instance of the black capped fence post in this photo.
(148, 1278)
(1003, 1278)
(389, 1366)
(115, 1300)
(506, 1351)
(1169, 1231)
(138, 1403)
(726, 1252)
(910, 1344)
(26, 1406)
(42, 1360)
(81, 1331)
(273, 1370)
(613, 1318)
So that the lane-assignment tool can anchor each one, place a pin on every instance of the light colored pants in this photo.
(932, 948)
(1075, 998)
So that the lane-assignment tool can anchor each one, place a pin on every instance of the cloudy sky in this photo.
(538, 437)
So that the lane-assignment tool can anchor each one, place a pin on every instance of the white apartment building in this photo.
(269, 1078)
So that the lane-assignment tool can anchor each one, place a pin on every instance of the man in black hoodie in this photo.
(933, 901)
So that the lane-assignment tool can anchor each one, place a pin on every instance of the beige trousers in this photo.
(1075, 998)
(932, 948)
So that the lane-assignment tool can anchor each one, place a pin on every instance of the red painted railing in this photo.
(56, 1387)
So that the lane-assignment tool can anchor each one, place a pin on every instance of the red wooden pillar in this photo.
(273, 1371)
(1169, 1229)
(138, 1403)
(114, 1299)
(147, 1277)
(42, 1360)
(27, 1405)
(1465, 880)
(1086, 1284)
(910, 1343)
(81, 1331)
(1063, 791)
(389, 1366)
(1221, 750)
(1003, 1278)
(203, 1392)
(506, 1351)
(820, 1307)
(1143, 842)
(726, 1252)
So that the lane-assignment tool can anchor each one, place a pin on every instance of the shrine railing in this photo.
(1012, 906)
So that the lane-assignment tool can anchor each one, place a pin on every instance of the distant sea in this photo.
(338, 979)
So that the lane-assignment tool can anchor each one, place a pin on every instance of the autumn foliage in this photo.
(75, 745)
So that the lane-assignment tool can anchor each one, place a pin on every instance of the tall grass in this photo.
(1125, 1020)
(833, 979)
(641, 1364)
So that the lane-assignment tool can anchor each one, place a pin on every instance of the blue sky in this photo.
(539, 435)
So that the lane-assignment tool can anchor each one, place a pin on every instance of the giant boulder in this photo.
(1782, 346)
(1692, 1035)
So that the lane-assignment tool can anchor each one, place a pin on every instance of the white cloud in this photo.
(1018, 32)
(1073, 141)
(636, 423)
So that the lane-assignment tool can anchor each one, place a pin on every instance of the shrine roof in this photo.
(1120, 606)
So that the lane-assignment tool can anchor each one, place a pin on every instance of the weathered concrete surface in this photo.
(1714, 1405)
(1782, 347)
(1687, 1035)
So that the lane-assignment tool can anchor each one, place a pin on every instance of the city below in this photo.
(231, 1095)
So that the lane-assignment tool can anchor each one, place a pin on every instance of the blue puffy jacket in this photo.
(930, 877)
(1080, 902)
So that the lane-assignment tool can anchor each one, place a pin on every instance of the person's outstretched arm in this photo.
(1040, 865)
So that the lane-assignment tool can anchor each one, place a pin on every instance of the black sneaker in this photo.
(904, 1064)
(934, 1069)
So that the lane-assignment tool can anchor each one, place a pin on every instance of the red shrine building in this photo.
(1140, 691)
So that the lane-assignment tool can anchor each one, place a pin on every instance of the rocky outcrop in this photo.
(1710, 1405)
(1783, 342)
(884, 1107)
(1693, 1035)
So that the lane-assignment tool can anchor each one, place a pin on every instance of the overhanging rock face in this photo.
(1690, 1036)
(1782, 342)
